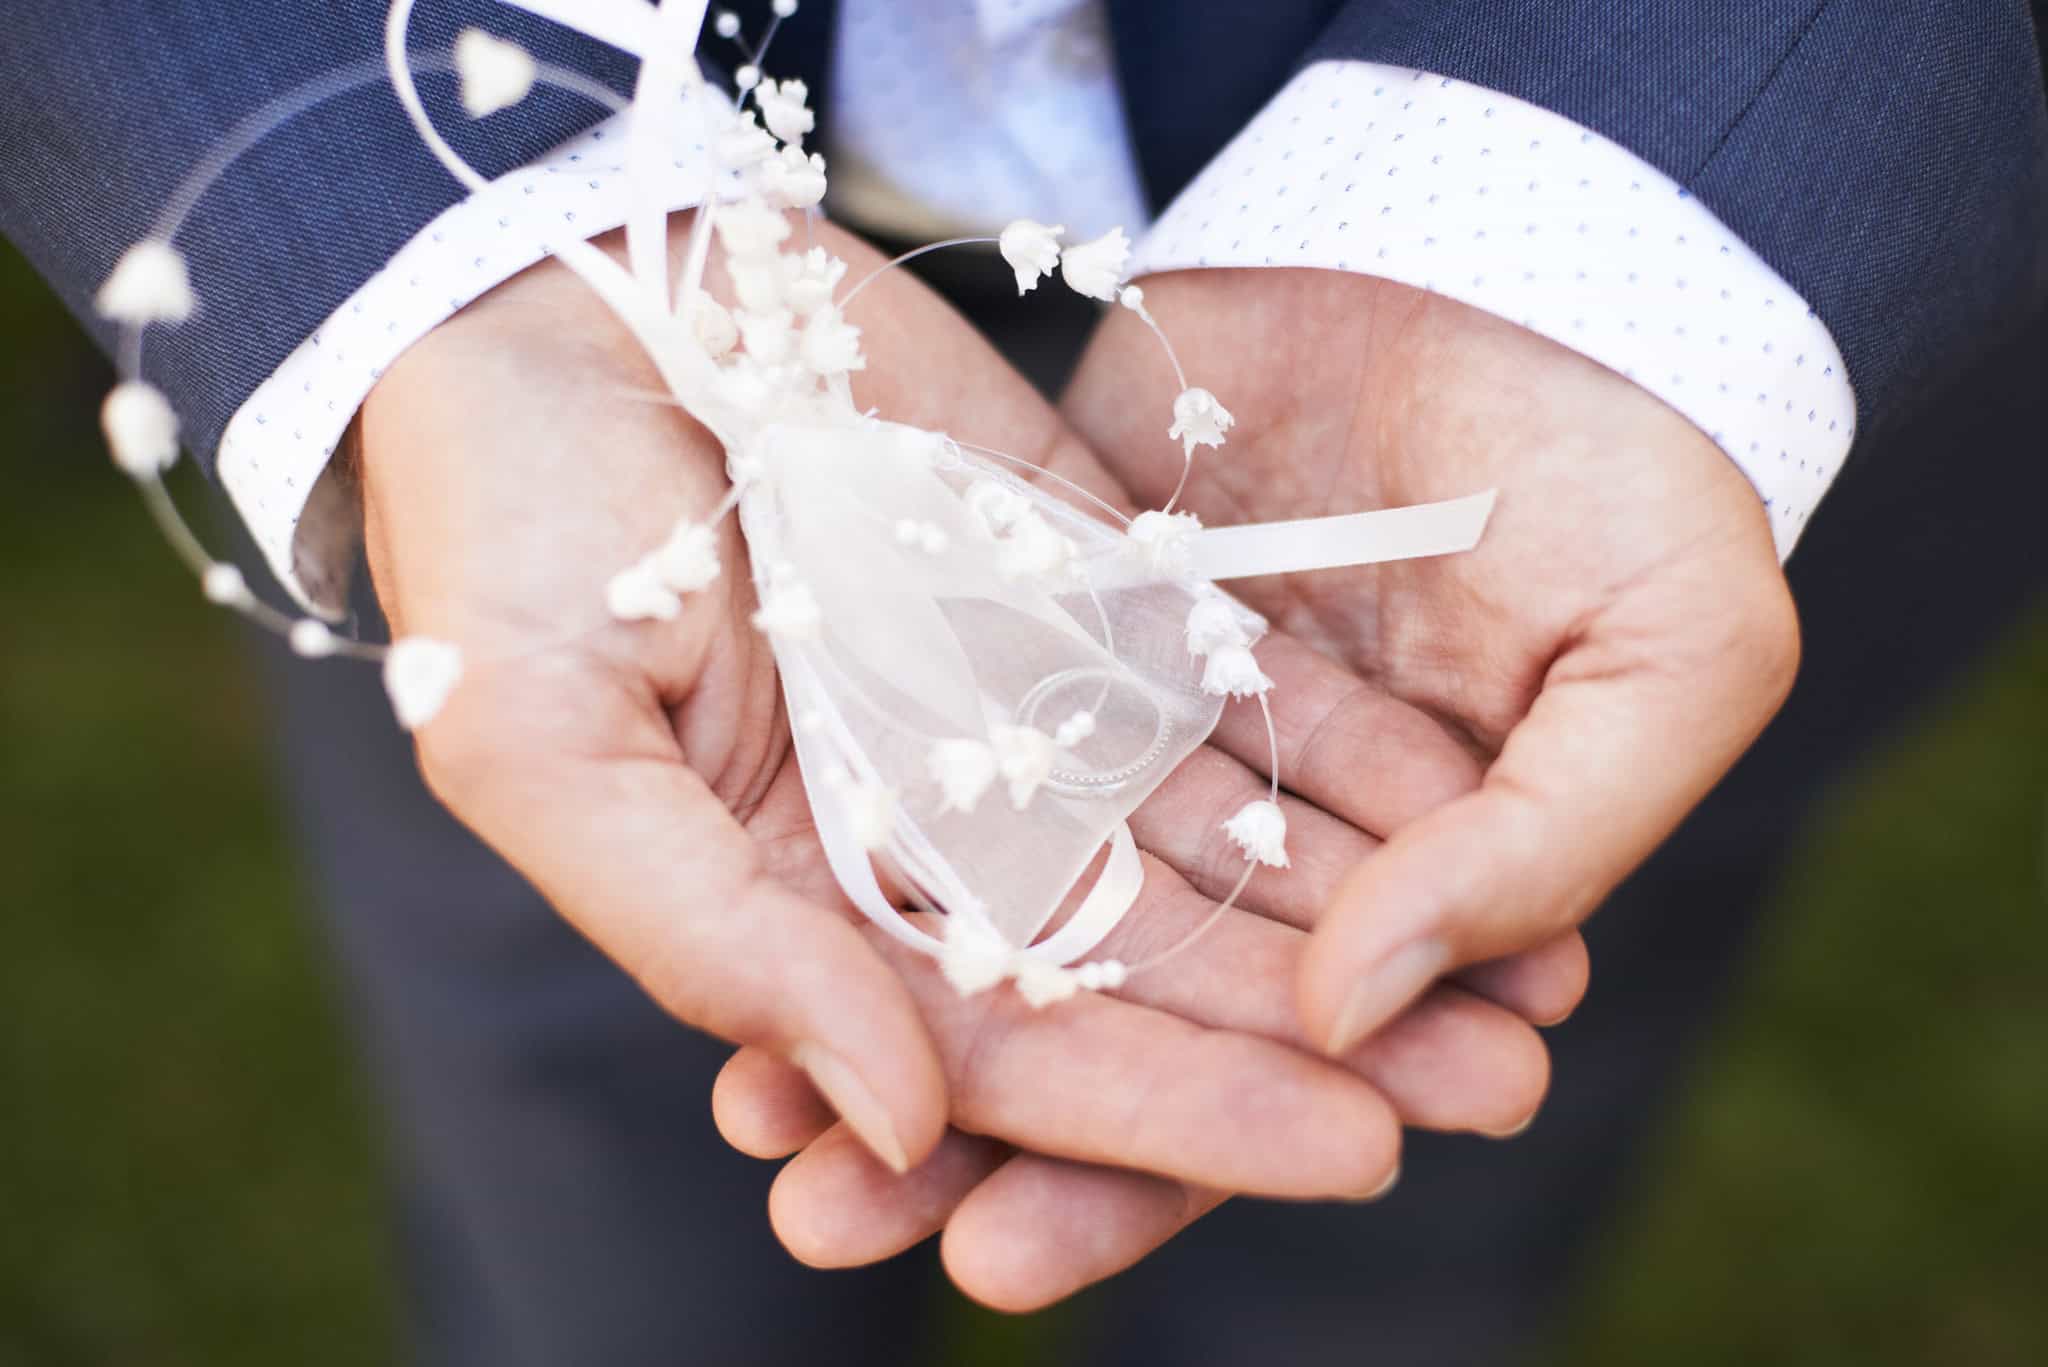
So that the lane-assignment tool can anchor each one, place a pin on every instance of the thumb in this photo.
(1630, 730)
(632, 847)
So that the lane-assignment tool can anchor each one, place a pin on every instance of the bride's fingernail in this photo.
(1386, 987)
(845, 1093)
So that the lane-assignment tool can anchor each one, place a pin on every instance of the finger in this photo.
(765, 1106)
(1453, 1062)
(1109, 1081)
(1181, 823)
(1040, 1229)
(1346, 744)
(833, 1205)
(1448, 1063)
(1543, 985)
(628, 843)
(1618, 747)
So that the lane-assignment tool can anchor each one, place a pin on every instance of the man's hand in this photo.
(1617, 640)
(642, 777)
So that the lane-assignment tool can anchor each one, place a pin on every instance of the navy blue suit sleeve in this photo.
(105, 106)
(1888, 158)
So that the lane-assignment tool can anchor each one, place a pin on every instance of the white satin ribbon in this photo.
(1115, 892)
(1328, 543)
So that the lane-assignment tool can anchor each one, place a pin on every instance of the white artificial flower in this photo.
(495, 74)
(743, 144)
(419, 674)
(1199, 420)
(1033, 549)
(1102, 973)
(716, 332)
(1096, 268)
(769, 337)
(223, 584)
(149, 284)
(926, 536)
(963, 769)
(1074, 730)
(1032, 249)
(789, 610)
(636, 594)
(996, 508)
(1260, 830)
(783, 109)
(1233, 670)
(688, 560)
(760, 283)
(141, 428)
(974, 957)
(311, 640)
(1162, 542)
(750, 231)
(810, 287)
(870, 808)
(1214, 623)
(745, 386)
(831, 345)
(1024, 759)
(1040, 983)
(792, 180)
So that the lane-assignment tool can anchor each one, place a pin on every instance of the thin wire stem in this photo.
(1180, 378)
(1273, 747)
(1208, 924)
(761, 52)
(913, 253)
(1115, 513)
(240, 139)
(1272, 795)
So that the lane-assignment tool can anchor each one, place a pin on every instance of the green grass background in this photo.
(188, 1172)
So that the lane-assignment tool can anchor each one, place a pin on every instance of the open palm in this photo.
(1620, 636)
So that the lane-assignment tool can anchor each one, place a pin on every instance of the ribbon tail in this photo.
(1328, 543)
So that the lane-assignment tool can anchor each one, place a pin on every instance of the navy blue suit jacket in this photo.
(1889, 158)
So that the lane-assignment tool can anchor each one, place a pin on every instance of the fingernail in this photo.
(862, 1111)
(1383, 1188)
(1527, 1121)
(1387, 986)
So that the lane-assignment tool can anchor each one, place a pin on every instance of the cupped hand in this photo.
(642, 777)
(1619, 637)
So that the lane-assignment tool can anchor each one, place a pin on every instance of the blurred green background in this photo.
(189, 1175)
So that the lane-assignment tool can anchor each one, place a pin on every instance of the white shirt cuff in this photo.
(1478, 196)
(274, 458)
